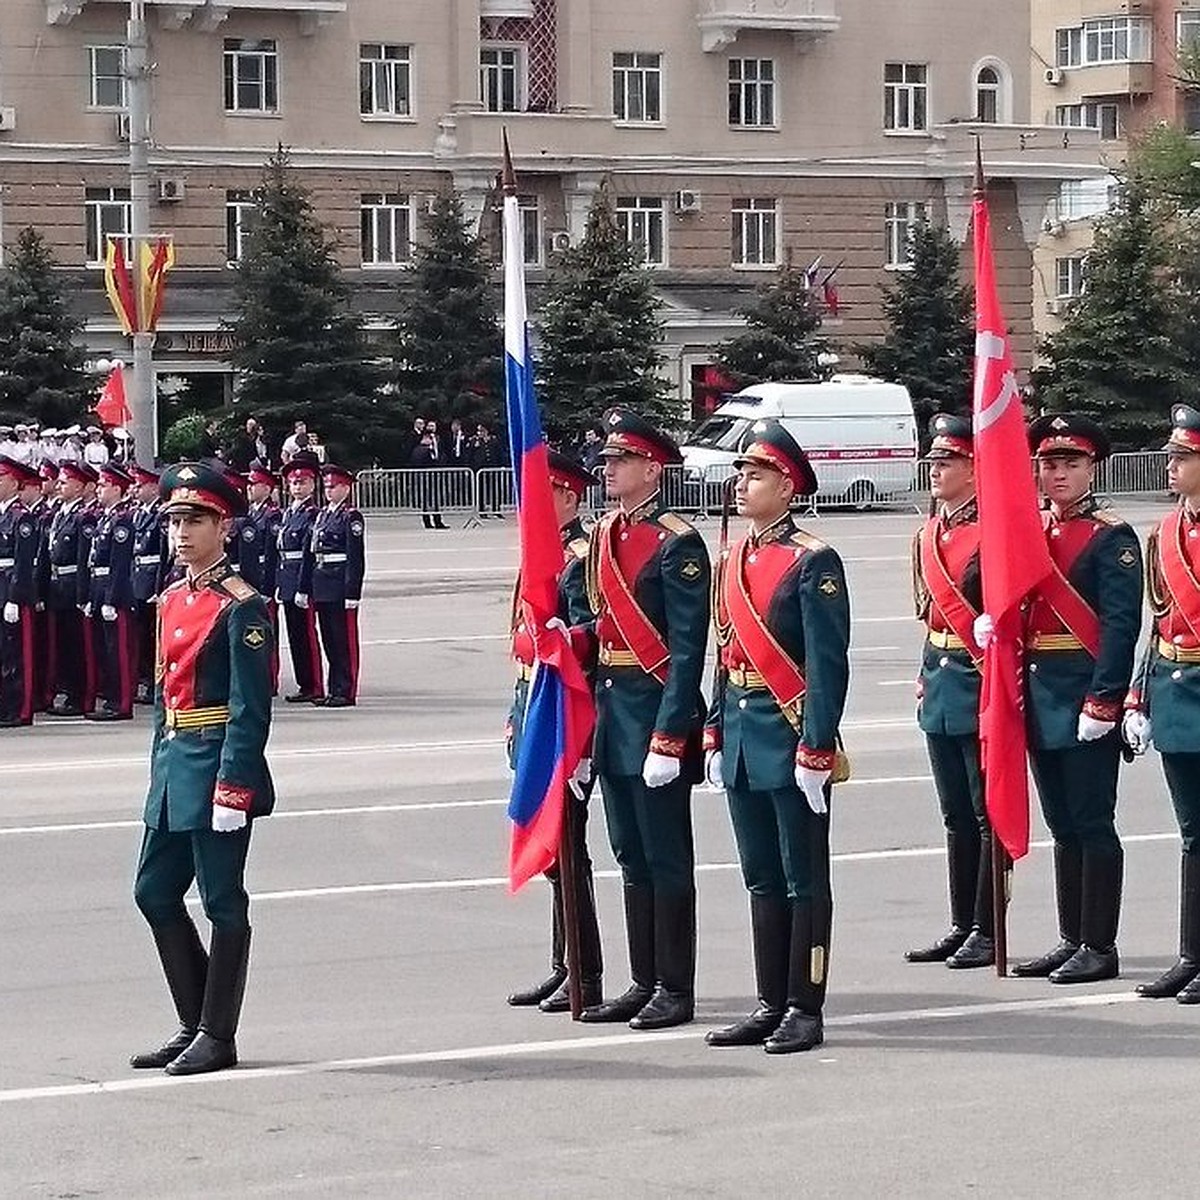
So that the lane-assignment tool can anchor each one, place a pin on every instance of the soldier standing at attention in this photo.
(1081, 630)
(36, 496)
(295, 576)
(267, 517)
(570, 483)
(782, 618)
(948, 593)
(339, 564)
(1164, 703)
(208, 772)
(149, 574)
(66, 626)
(18, 595)
(648, 583)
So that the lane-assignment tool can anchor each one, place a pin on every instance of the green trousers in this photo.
(216, 861)
(650, 830)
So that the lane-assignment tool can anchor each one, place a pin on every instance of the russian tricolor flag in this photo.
(560, 713)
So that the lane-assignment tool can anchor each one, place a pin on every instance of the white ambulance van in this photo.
(859, 433)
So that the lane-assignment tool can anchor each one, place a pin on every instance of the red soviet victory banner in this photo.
(1012, 546)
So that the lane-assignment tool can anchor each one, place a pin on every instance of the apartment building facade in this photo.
(733, 134)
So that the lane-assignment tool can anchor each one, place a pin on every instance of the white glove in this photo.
(561, 625)
(812, 783)
(1136, 730)
(227, 820)
(983, 630)
(582, 774)
(659, 769)
(351, 604)
(107, 612)
(86, 609)
(1090, 729)
(12, 614)
(714, 760)
(301, 600)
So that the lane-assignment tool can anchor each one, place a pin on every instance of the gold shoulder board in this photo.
(1106, 516)
(237, 587)
(579, 547)
(676, 524)
(807, 541)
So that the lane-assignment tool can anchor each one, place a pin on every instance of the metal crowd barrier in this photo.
(433, 491)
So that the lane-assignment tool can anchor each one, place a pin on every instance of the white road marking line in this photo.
(563, 1045)
(437, 641)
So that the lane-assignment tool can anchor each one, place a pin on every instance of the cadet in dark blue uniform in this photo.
(149, 573)
(110, 597)
(294, 583)
(66, 627)
(339, 565)
(783, 627)
(18, 595)
(38, 497)
(267, 517)
(1081, 630)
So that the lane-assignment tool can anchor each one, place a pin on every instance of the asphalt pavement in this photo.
(378, 1055)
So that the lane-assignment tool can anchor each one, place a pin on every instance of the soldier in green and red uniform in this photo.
(648, 582)
(569, 482)
(948, 593)
(783, 627)
(1082, 626)
(208, 771)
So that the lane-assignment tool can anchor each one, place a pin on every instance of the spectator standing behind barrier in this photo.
(484, 454)
(423, 459)
(411, 440)
(294, 442)
(459, 451)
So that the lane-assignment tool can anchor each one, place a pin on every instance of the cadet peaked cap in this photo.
(21, 472)
(627, 433)
(951, 437)
(142, 475)
(189, 487)
(570, 473)
(70, 469)
(1061, 434)
(260, 474)
(335, 474)
(114, 473)
(49, 469)
(1185, 432)
(305, 462)
(768, 444)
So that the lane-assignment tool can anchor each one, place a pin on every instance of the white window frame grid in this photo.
(993, 89)
(750, 95)
(386, 76)
(235, 51)
(240, 203)
(520, 75)
(97, 229)
(1069, 276)
(639, 66)
(393, 211)
(1092, 114)
(906, 100)
(900, 218)
(755, 220)
(94, 78)
(530, 208)
(637, 217)
(1187, 29)
(1068, 46)
(1079, 198)
(1102, 37)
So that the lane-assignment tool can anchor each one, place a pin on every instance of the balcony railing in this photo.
(205, 14)
(721, 21)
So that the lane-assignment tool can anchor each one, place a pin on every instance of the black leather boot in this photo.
(591, 954)
(558, 961)
(639, 930)
(978, 950)
(1096, 958)
(214, 1048)
(674, 999)
(771, 931)
(803, 1027)
(1068, 891)
(1177, 977)
(962, 864)
(185, 965)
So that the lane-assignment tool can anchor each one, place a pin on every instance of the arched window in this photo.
(987, 95)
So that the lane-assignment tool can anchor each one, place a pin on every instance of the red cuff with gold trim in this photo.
(229, 795)
(1133, 700)
(712, 738)
(664, 743)
(815, 760)
(1102, 710)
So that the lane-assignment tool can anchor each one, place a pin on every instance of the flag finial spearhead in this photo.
(508, 177)
(980, 184)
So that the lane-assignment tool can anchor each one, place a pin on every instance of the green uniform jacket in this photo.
(214, 650)
(672, 587)
(809, 616)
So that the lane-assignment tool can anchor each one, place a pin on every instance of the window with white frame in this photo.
(642, 221)
(1102, 116)
(752, 92)
(251, 75)
(755, 225)
(1190, 112)
(1068, 277)
(1187, 29)
(987, 95)
(530, 208)
(900, 219)
(1105, 40)
(106, 77)
(106, 212)
(905, 97)
(1068, 47)
(386, 229)
(240, 210)
(1078, 198)
(637, 87)
(502, 78)
(384, 80)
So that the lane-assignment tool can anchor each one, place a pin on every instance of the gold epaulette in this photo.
(810, 543)
(237, 587)
(1106, 516)
(921, 593)
(676, 524)
(579, 547)
(1157, 595)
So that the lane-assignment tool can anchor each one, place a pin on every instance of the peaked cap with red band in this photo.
(1185, 434)
(142, 475)
(48, 471)
(260, 474)
(627, 433)
(21, 472)
(951, 437)
(332, 473)
(305, 461)
(189, 487)
(70, 469)
(112, 473)
(1058, 435)
(567, 472)
(768, 444)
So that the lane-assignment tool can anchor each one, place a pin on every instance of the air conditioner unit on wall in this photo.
(171, 189)
(8, 119)
(687, 201)
(1053, 76)
(559, 240)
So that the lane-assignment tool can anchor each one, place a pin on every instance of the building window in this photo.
(1187, 30)
(987, 96)
(502, 78)
(251, 76)
(1190, 112)
(755, 233)
(905, 97)
(642, 221)
(386, 229)
(1068, 276)
(637, 87)
(106, 77)
(752, 92)
(1079, 198)
(106, 212)
(901, 217)
(384, 80)
(1068, 47)
(1104, 117)
(1105, 40)
(530, 208)
(240, 209)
